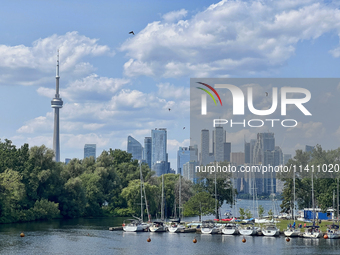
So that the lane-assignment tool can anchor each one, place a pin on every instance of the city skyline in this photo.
(115, 84)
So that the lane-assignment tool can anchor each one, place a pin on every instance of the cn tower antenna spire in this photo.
(56, 103)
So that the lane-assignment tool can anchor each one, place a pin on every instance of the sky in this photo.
(115, 84)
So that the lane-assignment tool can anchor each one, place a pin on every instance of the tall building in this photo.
(159, 148)
(147, 150)
(90, 150)
(246, 153)
(218, 144)
(205, 147)
(251, 150)
(56, 103)
(309, 148)
(183, 156)
(227, 151)
(135, 148)
(237, 158)
(264, 142)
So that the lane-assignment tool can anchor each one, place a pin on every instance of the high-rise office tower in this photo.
(252, 146)
(246, 152)
(264, 142)
(135, 148)
(205, 147)
(56, 103)
(218, 144)
(90, 150)
(183, 156)
(309, 148)
(147, 150)
(159, 146)
(227, 151)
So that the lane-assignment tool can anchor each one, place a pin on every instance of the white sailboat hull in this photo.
(271, 232)
(136, 228)
(312, 235)
(248, 232)
(233, 231)
(157, 229)
(176, 229)
(213, 230)
(292, 233)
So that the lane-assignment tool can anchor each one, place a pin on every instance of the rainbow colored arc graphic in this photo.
(209, 93)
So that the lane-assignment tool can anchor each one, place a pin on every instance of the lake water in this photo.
(91, 236)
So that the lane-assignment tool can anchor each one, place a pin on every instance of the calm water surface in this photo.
(91, 236)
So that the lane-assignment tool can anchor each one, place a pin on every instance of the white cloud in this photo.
(230, 37)
(167, 90)
(311, 130)
(28, 65)
(173, 144)
(175, 15)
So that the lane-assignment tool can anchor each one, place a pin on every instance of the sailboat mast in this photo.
(216, 198)
(338, 200)
(294, 198)
(333, 205)
(180, 196)
(141, 190)
(313, 199)
(162, 205)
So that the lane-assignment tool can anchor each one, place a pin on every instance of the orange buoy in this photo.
(148, 240)
(22, 235)
(244, 240)
(123, 224)
(195, 240)
(325, 236)
(288, 239)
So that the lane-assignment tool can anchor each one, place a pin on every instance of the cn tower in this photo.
(56, 103)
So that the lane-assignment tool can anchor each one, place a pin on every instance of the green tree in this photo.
(261, 211)
(200, 204)
(242, 213)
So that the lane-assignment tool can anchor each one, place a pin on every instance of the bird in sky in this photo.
(184, 128)
(131, 32)
(266, 94)
(169, 109)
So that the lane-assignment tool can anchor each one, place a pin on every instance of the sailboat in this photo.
(312, 231)
(159, 226)
(270, 229)
(333, 231)
(137, 225)
(291, 230)
(176, 226)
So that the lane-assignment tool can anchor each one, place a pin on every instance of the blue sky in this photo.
(114, 84)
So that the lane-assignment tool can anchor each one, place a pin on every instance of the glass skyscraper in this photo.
(147, 150)
(183, 156)
(90, 150)
(135, 148)
(159, 147)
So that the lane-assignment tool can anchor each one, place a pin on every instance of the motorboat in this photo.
(210, 227)
(270, 230)
(158, 226)
(135, 226)
(230, 229)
